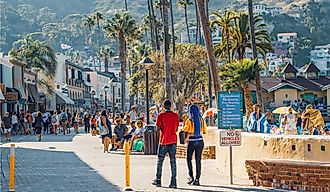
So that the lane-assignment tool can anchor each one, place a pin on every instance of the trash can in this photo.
(151, 140)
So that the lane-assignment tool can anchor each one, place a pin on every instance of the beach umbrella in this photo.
(284, 110)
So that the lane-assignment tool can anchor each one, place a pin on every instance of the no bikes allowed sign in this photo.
(230, 138)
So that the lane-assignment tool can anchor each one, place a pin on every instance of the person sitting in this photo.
(119, 132)
(137, 140)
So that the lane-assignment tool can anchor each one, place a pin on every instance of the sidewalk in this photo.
(77, 163)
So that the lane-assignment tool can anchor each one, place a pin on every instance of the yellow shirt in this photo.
(189, 126)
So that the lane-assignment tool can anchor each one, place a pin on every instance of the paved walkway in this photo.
(77, 163)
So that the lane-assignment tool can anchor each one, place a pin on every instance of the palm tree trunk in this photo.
(172, 26)
(151, 22)
(126, 7)
(208, 44)
(197, 25)
(186, 19)
(106, 64)
(255, 54)
(155, 25)
(248, 101)
(209, 86)
(227, 45)
(168, 80)
(122, 49)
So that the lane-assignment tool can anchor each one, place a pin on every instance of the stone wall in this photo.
(291, 175)
(257, 146)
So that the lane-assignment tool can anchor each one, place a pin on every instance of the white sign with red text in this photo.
(230, 138)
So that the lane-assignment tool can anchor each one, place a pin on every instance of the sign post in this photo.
(230, 117)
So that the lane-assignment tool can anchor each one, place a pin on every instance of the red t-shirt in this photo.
(168, 123)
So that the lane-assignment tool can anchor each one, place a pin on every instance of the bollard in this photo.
(12, 168)
(127, 167)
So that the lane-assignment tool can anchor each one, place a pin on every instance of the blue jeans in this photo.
(162, 151)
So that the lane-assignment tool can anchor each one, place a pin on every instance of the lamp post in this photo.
(106, 89)
(111, 82)
(93, 93)
(147, 63)
(101, 98)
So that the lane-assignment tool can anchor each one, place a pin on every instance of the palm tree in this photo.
(184, 4)
(224, 22)
(167, 66)
(172, 28)
(208, 44)
(154, 24)
(89, 22)
(126, 7)
(106, 52)
(35, 54)
(254, 52)
(121, 26)
(238, 75)
(97, 17)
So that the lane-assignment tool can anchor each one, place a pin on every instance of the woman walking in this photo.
(195, 127)
(106, 124)
(7, 124)
(38, 124)
(55, 122)
(75, 120)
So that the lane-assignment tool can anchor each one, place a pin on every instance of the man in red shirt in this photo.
(167, 123)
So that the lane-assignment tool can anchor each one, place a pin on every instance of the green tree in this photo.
(121, 26)
(238, 75)
(106, 52)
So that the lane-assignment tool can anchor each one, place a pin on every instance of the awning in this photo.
(63, 99)
(2, 98)
(33, 93)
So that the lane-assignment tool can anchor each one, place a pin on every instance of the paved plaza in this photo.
(77, 163)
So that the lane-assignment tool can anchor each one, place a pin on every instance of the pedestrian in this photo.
(257, 121)
(86, 122)
(7, 124)
(14, 120)
(69, 123)
(55, 122)
(46, 122)
(29, 120)
(290, 123)
(64, 121)
(133, 114)
(93, 125)
(107, 134)
(34, 115)
(21, 122)
(38, 124)
(194, 128)
(75, 120)
(119, 131)
(168, 123)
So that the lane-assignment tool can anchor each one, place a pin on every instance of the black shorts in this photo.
(38, 130)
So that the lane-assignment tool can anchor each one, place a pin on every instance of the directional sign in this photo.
(230, 138)
(230, 113)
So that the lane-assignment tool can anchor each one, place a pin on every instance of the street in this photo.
(77, 163)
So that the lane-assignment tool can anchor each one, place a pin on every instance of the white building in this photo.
(320, 55)
(216, 35)
(263, 9)
(287, 38)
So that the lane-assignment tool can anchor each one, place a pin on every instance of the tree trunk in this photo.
(155, 25)
(122, 58)
(151, 23)
(248, 101)
(255, 54)
(227, 45)
(197, 25)
(209, 86)
(168, 80)
(126, 8)
(208, 44)
(186, 19)
(172, 26)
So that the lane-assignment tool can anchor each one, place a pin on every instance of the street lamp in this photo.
(147, 63)
(93, 93)
(112, 83)
(105, 89)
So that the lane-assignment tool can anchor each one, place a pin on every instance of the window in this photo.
(88, 78)
(72, 74)
(79, 75)
(328, 64)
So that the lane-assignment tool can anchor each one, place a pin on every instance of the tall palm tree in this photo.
(238, 75)
(254, 52)
(197, 25)
(224, 22)
(106, 52)
(121, 26)
(184, 4)
(208, 44)
(172, 28)
(126, 6)
(97, 16)
(155, 24)
(89, 22)
(167, 66)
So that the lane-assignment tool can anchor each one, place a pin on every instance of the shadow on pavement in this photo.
(41, 170)
(45, 138)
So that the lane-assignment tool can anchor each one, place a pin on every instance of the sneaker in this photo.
(172, 185)
(190, 180)
(157, 183)
(196, 182)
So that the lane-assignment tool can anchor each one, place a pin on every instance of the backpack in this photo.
(54, 120)
(64, 117)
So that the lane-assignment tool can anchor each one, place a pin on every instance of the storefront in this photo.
(12, 96)
(33, 97)
(62, 101)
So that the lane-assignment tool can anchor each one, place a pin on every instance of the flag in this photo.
(65, 46)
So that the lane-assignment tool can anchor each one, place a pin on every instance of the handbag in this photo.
(182, 137)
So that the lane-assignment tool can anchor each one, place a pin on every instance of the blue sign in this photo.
(230, 115)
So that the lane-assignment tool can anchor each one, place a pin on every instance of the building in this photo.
(320, 56)
(263, 9)
(280, 47)
(307, 85)
(216, 35)
(289, 38)
(34, 101)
